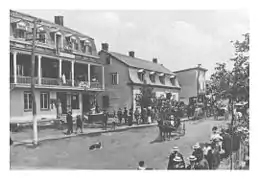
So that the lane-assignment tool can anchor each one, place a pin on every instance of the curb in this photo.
(24, 142)
(62, 136)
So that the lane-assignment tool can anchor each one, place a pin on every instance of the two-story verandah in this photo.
(67, 80)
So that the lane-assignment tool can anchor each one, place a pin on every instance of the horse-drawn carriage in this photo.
(169, 128)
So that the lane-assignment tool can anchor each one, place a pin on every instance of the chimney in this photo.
(132, 54)
(105, 46)
(59, 20)
(155, 60)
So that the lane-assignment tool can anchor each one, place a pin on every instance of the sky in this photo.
(180, 39)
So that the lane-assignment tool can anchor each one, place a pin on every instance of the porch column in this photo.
(89, 74)
(72, 71)
(103, 83)
(39, 69)
(60, 68)
(15, 67)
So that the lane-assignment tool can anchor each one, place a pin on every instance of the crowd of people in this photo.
(205, 156)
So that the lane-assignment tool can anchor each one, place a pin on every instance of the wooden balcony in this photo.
(26, 80)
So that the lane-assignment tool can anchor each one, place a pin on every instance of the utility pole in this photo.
(199, 65)
(34, 110)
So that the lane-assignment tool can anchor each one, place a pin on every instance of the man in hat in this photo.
(141, 165)
(69, 123)
(197, 152)
(125, 115)
(119, 114)
(178, 163)
(193, 163)
(174, 152)
(137, 115)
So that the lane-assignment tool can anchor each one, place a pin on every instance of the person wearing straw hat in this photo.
(179, 163)
(193, 163)
(174, 152)
(197, 152)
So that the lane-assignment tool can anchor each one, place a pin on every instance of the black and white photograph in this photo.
(129, 89)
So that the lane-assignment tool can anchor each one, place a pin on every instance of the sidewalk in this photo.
(25, 136)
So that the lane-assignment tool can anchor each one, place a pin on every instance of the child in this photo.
(114, 122)
(79, 123)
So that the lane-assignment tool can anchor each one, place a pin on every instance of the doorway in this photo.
(62, 96)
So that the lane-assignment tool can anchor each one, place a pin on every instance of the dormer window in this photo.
(162, 78)
(85, 45)
(152, 76)
(141, 74)
(41, 35)
(69, 41)
(74, 43)
(173, 80)
(20, 29)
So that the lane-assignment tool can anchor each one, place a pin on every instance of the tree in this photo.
(146, 97)
(233, 82)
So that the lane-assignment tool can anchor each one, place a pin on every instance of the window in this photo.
(152, 78)
(162, 79)
(141, 76)
(115, 78)
(172, 81)
(75, 101)
(106, 101)
(27, 101)
(108, 60)
(42, 37)
(44, 100)
(83, 46)
(75, 44)
(20, 33)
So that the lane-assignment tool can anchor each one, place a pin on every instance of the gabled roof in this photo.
(140, 63)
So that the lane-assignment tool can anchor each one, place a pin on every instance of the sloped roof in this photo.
(140, 63)
(15, 15)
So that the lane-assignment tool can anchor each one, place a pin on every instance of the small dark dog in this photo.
(96, 146)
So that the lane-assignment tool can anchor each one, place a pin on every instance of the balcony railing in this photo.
(96, 85)
(26, 80)
(50, 81)
(56, 82)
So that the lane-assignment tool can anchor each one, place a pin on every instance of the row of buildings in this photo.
(70, 73)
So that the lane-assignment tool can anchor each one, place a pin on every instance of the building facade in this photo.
(126, 74)
(193, 83)
(68, 72)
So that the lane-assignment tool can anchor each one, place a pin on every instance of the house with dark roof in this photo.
(68, 73)
(125, 74)
(193, 83)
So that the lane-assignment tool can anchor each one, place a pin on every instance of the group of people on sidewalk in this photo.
(79, 123)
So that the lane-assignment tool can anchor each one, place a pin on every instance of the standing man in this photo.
(69, 123)
(174, 152)
(130, 120)
(137, 115)
(119, 114)
(193, 163)
(79, 123)
(125, 115)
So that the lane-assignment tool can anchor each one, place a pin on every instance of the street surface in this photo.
(121, 150)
